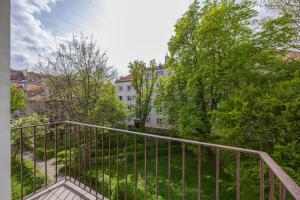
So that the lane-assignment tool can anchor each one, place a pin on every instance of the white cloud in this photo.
(134, 29)
(28, 36)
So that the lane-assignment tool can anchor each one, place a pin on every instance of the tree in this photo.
(215, 49)
(109, 111)
(77, 75)
(143, 80)
(17, 99)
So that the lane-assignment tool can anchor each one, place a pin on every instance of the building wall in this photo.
(125, 93)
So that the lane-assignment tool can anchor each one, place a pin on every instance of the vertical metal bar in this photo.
(74, 154)
(145, 167)
(199, 172)
(238, 166)
(117, 160)
(183, 171)
(55, 147)
(84, 156)
(90, 157)
(65, 141)
(70, 151)
(261, 184)
(271, 183)
(96, 162)
(79, 153)
(34, 157)
(156, 169)
(217, 172)
(45, 154)
(21, 161)
(135, 175)
(169, 169)
(282, 192)
(109, 158)
(102, 166)
(126, 181)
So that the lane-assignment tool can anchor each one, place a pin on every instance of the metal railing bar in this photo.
(156, 169)
(68, 136)
(109, 165)
(282, 192)
(102, 166)
(117, 162)
(84, 156)
(79, 154)
(34, 159)
(90, 157)
(183, 171)
(55, 149)
(126, 179)
(217, 173)
(96, 161)
(262, 182)
(145, 168)
(271, 183)
(45, 155)
(160, 137)
(238, 166)
(288, 183)
(169, 170)
(135, 169)
(65, 144)
(199, 172)
(21, 162)
(74, 150)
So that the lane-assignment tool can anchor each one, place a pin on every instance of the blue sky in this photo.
(125, 29)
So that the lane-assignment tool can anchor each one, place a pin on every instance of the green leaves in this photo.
(17, 99)
(143, 80)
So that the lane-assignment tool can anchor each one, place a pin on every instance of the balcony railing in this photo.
(92, 152)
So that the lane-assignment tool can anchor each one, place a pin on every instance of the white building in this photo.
(126, 93)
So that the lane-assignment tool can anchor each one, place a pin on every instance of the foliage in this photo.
(17, 99)
(109, 111)
(27, 177)
(34, 119)
(215, 49)
(77, 76)
(143, 80)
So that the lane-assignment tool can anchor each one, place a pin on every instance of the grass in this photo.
(27, 178)
(191, 172)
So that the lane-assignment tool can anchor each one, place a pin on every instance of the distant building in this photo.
(33, 85)
(125, 93)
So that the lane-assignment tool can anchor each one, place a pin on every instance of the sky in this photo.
(125, 29)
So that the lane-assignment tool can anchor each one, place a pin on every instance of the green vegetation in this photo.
(143, 80)
(27, 177)
(17, 99)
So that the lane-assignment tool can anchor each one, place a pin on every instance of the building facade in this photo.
(125, 93)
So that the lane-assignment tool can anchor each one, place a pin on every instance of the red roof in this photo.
(125, 79)
(16, 75)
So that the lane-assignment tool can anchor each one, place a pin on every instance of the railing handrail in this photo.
(235, 149)
(287, 183)
(284, 178)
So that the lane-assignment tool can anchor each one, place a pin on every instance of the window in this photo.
(148, 75)
(161, 73)
(129, 98)
(128, 88)
(148, 120)
(120, 88)
(120, 98)
(159, 121)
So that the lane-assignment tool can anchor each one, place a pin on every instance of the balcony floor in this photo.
(65, 190)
